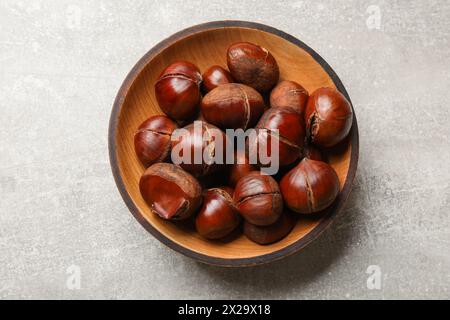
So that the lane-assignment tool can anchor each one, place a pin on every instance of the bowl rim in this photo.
(229, 262)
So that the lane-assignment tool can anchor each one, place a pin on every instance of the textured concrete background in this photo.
(62, 63)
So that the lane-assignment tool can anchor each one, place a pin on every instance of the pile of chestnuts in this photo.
(225, 199)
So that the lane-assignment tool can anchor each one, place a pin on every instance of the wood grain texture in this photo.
(206, 45)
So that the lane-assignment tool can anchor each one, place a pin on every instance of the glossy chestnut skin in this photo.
(152, 139)
(171, 192)
(310, 187)
(218, 215)
(214, 77)
(271, 233)
(200, 140)
(240, 168)
(258, 198)
(328, 117)
(178, 90)
(253, 65)
(232, 106)
(289, 94)
(291, 134)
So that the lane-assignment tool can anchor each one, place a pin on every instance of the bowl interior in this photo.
(206, 48)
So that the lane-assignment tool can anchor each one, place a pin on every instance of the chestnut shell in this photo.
(232, 106)
(328, 117)
(199, 141)
(215, 76)
(218, 216)
(178, 90)
(240, 168)
(152, 141)
(291, 134)
(289, 94)
(271, 233)
(310, 187)
(253, 65)
(258, 198)
(171, 192)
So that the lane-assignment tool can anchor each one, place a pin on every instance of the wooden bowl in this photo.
(206, 45)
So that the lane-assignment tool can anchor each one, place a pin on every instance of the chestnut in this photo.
(152, 139)
(310, 187)
(218, 215)
(240, 168)
(290, 134)
(289, 94)
(232, 106)
(252, 65)
(271, 233)
(258, 199)
(214, 77)
(205, 145)
(178, 90)
(328, 117)
(171, 192)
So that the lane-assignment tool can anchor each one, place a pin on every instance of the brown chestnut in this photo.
(258, 199)
(290, 135)
(310, 187)
(171, 192)
(232, 106)
(240, 168)
(199, 148)
(271, 233)
(289, 94)
(152, 139)
(328, 117)
(252, 65)
(218, 215)
(214, 77)
(178, 90)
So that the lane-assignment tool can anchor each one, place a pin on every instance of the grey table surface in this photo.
(64, 229)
